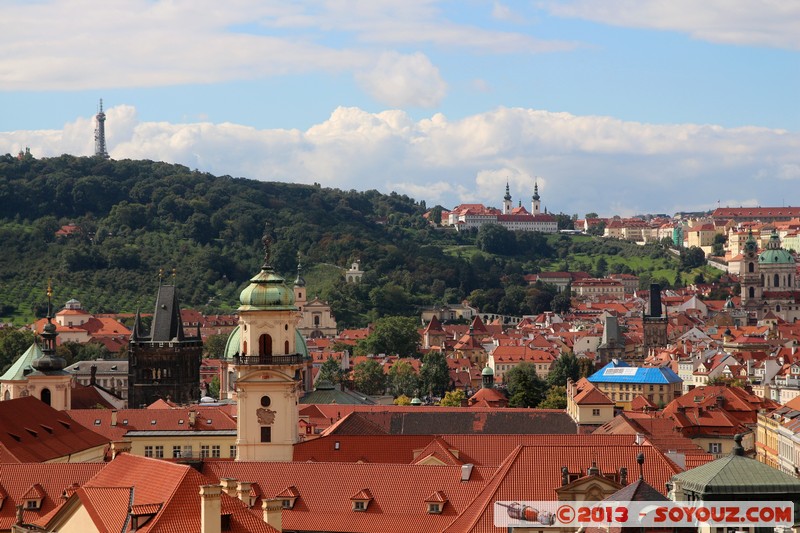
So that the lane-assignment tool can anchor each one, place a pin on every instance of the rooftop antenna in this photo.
(100, 134)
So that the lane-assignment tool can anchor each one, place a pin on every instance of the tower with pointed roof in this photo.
(39, 372)
(164, 362)
(507, 205)
(269, 361)
(535, 200)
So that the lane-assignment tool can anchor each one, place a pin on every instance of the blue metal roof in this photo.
(622, 372)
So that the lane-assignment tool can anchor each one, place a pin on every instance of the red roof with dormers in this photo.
(397, 493)
(34, 432)
(169, 490)
(164, 419)
(533, 473)
(52, 480)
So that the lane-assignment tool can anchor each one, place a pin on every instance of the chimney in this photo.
(564, 476)
(113, 417)
(639, 439)
(192, 418)
(243, 493)
(720, 401)
(623, 476)
(228, 486)
(272, 513)
(210, 509)
(93, 375)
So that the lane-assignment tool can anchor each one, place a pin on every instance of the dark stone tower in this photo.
(654, 322)
(164, 363)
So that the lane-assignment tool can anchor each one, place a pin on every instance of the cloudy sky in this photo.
(614, 106)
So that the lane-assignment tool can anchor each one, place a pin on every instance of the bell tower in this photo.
(752, 287)
(536, 202)
(268, 367)
(507, 205)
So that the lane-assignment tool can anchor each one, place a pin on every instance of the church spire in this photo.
(49, 361)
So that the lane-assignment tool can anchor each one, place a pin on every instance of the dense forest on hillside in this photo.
(137, 217)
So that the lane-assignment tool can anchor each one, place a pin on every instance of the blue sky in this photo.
(614, 106)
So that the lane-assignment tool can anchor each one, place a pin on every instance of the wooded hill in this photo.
(136, 217)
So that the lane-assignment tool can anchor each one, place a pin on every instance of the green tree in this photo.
(453, 398)
(591, 215)
(402, 400)
(525, 387)
(585, 367)
(434, 374)
(598, 229)
(562, 302)
(396, 335)
(692, 257)
(368, 377)
(601, 267)
(495, 239)
(13, 343)
(213, 388)
(556, 398)
(331, 371)
(403, 379)
(564, 368)
(214, 346)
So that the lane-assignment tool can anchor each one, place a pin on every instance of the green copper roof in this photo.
(267, 290)
(735, 474)
(23, 363)
(234, 341)
(487, 371)
(774, 254)
(776, 257)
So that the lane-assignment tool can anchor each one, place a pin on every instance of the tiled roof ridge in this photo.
(176, 487)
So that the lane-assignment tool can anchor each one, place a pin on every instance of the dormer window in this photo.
(33, 497)
(288, 497)
(361, 500)
(436, 502)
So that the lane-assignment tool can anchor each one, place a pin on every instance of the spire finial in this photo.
(160, 276)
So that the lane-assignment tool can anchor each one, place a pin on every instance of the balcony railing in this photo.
(292, 359)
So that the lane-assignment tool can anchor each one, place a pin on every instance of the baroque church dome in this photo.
(774, 254)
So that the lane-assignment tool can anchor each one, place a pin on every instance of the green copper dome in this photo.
(267, 290)
(774, 254)
(487, 371)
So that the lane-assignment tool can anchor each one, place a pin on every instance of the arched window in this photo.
(762, 280)
(751, 267)
(264, 345)
(286, 347)
(776, 281)
(46, 397)
(7, 395)
(316, 320)
(752, 292)
(244, 348)
(778, 308)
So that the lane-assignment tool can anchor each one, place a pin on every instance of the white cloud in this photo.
(581, 163)
(742, 22)
(92, 44)
(404, 81)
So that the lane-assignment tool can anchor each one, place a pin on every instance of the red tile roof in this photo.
(34, 432)
(53, 479)
(399, 493)
(100, 420)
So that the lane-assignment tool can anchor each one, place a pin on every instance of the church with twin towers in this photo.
(466, 217)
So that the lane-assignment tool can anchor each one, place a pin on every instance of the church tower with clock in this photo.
(269, 363)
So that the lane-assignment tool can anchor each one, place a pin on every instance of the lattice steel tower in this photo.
(100, 134)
